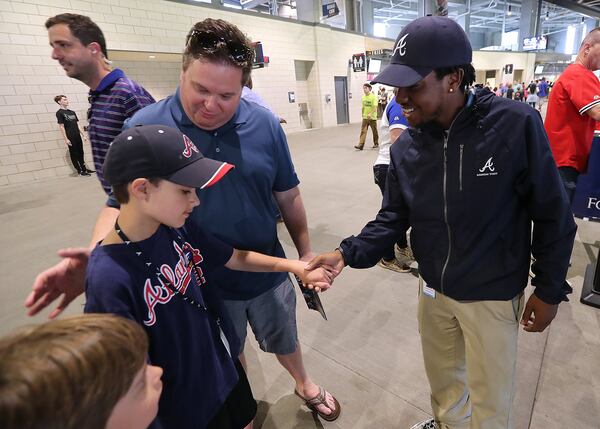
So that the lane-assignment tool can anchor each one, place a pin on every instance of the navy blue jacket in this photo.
(470, 195)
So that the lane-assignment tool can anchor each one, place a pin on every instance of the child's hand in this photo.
(319, 279)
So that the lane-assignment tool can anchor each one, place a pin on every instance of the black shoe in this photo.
(87, 170)
(358, 147)
(84, 173)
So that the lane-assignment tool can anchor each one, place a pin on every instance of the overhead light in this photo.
(509, 10)
(152, 56)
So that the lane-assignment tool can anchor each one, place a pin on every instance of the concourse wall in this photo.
(31, 147)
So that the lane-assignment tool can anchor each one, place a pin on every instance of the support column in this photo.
(430, 7)
(590, 24)
(351, 21)
(464, 19)
(367, 17)
(308, 10)
(421, 8)
(529, 20)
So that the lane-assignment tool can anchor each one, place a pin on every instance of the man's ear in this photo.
(455, 78)
(94, 47)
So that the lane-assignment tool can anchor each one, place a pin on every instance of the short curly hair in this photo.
(222, 36)
(468, 75)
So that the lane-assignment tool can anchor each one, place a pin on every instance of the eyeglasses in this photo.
(210, 42)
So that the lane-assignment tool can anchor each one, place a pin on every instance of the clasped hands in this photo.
(320, 272)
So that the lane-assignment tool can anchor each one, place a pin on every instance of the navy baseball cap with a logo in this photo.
(158, 151)
(423, 45)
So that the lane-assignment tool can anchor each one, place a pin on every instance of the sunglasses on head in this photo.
(210, 42)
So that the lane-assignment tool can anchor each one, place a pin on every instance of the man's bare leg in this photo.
(294, 364)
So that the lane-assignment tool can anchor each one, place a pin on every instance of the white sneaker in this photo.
(426, 424)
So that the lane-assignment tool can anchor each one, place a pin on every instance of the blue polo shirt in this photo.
(240, 208)
(115, 99)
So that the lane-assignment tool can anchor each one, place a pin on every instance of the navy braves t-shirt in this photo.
(185, 341)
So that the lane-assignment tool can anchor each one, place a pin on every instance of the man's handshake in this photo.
(323, 269)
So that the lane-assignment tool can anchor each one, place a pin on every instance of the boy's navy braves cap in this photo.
(158, 151)
(425, 44)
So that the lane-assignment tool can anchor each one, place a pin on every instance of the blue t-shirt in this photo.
(394, 114)
(240, 208)
(184, 340)
(543, 89)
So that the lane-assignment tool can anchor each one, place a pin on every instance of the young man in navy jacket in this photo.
(470, 177)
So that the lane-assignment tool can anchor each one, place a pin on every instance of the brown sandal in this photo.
(313, 403)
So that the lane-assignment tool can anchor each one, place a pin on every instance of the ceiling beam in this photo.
(577, 7)
(251, 4)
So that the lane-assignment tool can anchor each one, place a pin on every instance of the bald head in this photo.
(591, 38)
(589, 52)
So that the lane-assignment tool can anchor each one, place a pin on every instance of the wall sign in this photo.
(358, 62)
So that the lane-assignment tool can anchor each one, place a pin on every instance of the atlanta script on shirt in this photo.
(179, 277)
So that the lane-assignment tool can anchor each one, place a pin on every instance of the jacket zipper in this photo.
(460, 174)
(446, 138)
(446, 212)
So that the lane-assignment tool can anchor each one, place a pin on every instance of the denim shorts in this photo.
(272, 317)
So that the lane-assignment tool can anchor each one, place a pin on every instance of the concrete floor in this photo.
(368, 353)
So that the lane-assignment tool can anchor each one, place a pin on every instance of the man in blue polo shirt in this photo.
(208, 108)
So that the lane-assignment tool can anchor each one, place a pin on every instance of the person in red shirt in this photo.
(573, 108)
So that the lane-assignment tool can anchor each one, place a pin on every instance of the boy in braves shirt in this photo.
(155, 268)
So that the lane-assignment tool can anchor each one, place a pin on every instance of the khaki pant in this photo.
(541, 102)
(470, 353)
(366, 123)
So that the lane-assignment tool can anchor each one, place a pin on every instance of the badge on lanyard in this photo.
(225, 342)
(428, 290)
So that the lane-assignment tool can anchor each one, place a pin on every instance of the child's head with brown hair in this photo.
(85, 371)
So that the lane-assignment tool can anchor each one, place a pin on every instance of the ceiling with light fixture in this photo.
(485, 15)
(492, 15)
